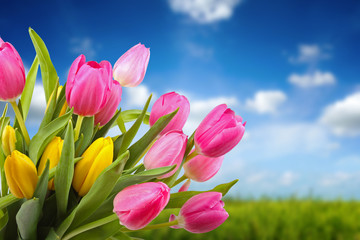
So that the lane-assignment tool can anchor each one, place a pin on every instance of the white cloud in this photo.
(205, 11)
(83, 46)
(343, 116)
(335, 179)
(266, 101)
(315, 79)
(38, 104)
(200, 108)
(137, 96)
(310, 54)
(287, 140)
(257, 177)
(198, 51)
(288, 178)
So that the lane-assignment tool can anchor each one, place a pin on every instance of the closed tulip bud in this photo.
(112, 104)
(168, 103)
(8, 140)
(137, 205)
(219, 132)
(130, 68)
(12, 72)
(63, 108)
(201, 168)
(201, 213)
(185, 186)
(96, 158)
(168, 150)
(52, 153)
(88, 86)
(21, 175)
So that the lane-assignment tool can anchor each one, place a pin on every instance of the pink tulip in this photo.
(88, 86)
(137, 205)
(201, 168)
(201, 213)
(12, 73)
(168, 150)
(185, 186)
(219, 132)
(130, 68)
(168, 103)
(112, 104)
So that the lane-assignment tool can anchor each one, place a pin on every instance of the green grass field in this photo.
(277, 220)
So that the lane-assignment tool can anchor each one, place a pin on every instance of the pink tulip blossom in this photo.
(219, 132)
(185, 186)
(137, 205)
(168, 150)
(88, 86)
(12, 72)
(168, 103)
(201, 168)
(112, 104)
(201, 213)
(130, 68)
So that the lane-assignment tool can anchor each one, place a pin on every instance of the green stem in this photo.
(155, 226)
(21, 122)
(4, 186)
(78, 127)
(8, 200)
(191, 156)
(182, 178)
(90, 226)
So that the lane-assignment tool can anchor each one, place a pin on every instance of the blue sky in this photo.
(289, 68)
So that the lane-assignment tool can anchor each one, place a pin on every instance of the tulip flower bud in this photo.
(185, 186)
(201, 168)
(21, 175)
(12, 72)
(168, 150)
(8, 140)
(137, 205)
(130, 68)
(92, 77)
(168, 103)
(63, 109)
(219, 132)
(105, 114)
(201, 213)
(52, 153)
(96, 158)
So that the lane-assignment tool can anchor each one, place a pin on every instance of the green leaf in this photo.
(48, 72)
(86, 131)
(101, 189)
(103, 232)
(30, 212)
(20, 143)
(8, 200)
(120, 236)
(130, 134)
(64, 172)
(117, 144)
(104, 129)
(4, 218)
(29, 87)
(27, 218)
(61, 99)
(45, 135)
(178, 199)
(137, 149)
(132, 115)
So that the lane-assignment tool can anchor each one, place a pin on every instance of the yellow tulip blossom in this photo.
(21, 175)
(8, 140)
(53, 153)
(96, 158)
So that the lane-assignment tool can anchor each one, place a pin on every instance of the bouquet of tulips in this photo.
(72, 181)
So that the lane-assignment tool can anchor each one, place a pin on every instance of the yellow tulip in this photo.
(8, 140)
(96, 158)
(63, 109)
(21, 175)
(53, 153)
